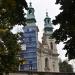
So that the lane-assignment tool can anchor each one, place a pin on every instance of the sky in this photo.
(41, 7)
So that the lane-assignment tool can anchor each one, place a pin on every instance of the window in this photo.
(21, 67)
(30, 11)
(27, 30)
(51, 44)
(46, 62)
(30, 39)
(54, 67)
(48, 21)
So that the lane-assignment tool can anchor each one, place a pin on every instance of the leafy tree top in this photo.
(66, 20)
(65, 67)
(11, 13)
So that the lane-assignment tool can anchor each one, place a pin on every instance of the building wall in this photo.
(40, 73)
(50, 53)
(30, 37)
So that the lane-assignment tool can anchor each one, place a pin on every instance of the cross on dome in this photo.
(30, 4)
(47, 14)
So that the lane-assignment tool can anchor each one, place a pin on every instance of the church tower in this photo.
(47, 54)
(38, 56)
(30, 41)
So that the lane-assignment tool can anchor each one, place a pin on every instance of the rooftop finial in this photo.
(30, 3)
(46, 14)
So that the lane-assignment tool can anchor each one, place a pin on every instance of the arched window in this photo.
(54, 66)
(51, 44)
(30, 11)
(46, 62)
(48, 21)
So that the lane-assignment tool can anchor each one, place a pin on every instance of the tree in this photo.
(66, 20)
(11, 13)
(65, 67)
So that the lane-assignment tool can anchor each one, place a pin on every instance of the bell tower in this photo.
(30, 39)
(30, 16)
(48, 51)
(47, 24)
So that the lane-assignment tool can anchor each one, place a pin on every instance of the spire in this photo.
(30, 4)
(47, 24)
(30, 14)
(47, 14)
(47, 19)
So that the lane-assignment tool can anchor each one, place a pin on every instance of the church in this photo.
(38, 56)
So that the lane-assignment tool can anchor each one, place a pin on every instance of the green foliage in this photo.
(65, 67)
(66, 20)
(12, 10)
(11, 13)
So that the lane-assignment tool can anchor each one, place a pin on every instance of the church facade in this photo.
(38, 56)
(47, 52)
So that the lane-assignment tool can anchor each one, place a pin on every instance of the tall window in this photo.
(46, 62)
(54, 67)
(48, 21)
(51, 44)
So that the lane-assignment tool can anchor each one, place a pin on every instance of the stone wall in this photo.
(40, 73)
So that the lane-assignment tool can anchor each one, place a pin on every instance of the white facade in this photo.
(47, 52)
(48, 58)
